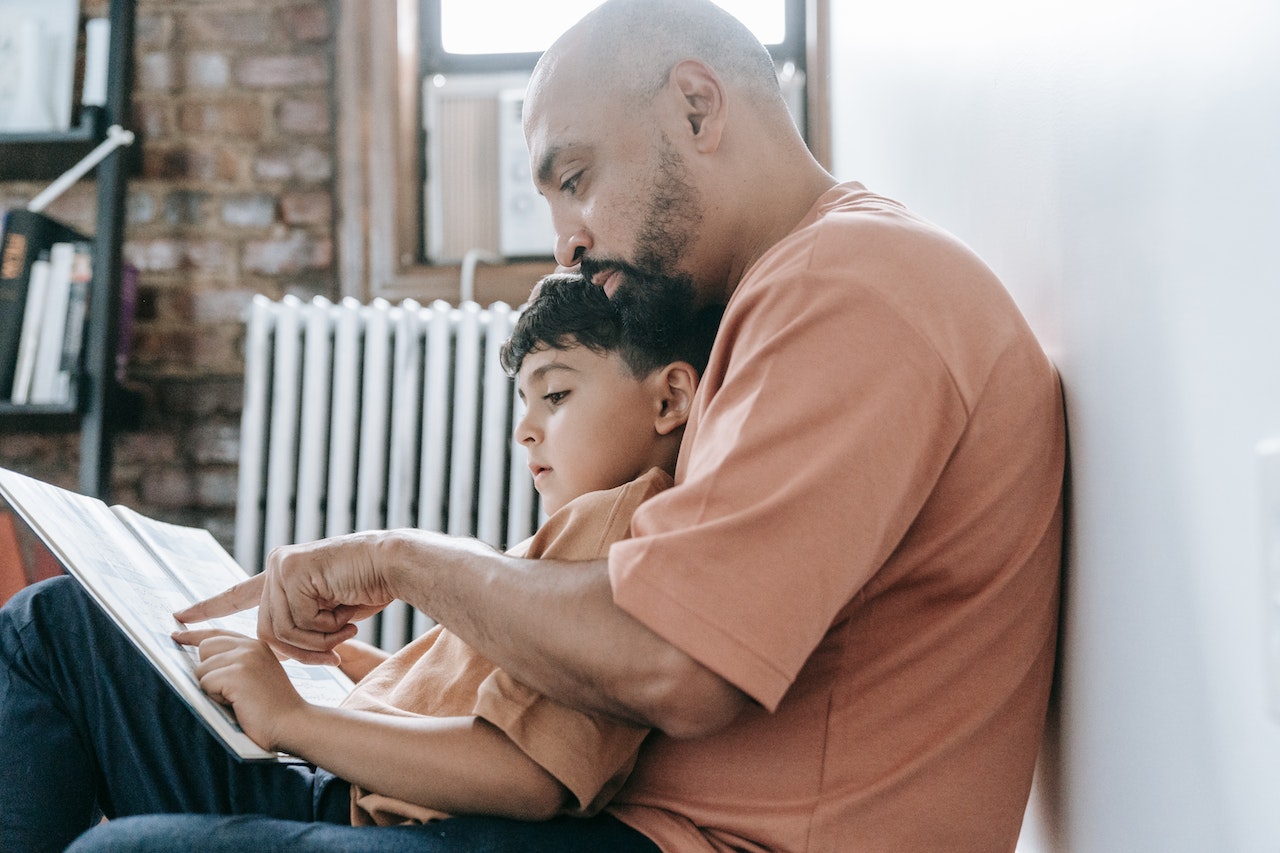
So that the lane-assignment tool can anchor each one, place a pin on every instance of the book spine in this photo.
(53, 324)
(16, 258)
(128, 311)
(26, 235)
(32, 318)
(77, 311)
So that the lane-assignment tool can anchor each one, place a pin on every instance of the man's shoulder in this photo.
(854, 197)
(864, 273)
(854, 242)
(847, 227)
(851, 221)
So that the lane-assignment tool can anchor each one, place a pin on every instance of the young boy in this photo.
(436, 729)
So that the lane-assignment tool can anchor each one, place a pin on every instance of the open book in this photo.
(140, 571)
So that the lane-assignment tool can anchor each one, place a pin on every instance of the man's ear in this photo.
(703, 99)
(674, 385)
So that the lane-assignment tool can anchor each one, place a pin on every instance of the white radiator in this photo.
(367, 417)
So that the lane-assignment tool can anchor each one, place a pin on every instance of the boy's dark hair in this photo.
(571, 311)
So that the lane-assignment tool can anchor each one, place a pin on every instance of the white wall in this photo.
(1118, 163)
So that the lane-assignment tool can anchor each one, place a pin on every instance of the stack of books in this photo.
(45, 271)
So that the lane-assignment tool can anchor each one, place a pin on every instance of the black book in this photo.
(26, 235)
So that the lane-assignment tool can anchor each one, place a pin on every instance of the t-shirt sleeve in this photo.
(590, 755)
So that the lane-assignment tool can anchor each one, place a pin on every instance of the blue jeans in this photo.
(88, 729)
(211, 834)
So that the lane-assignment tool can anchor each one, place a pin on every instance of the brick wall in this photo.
(232, 99)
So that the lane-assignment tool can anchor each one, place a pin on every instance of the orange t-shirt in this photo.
(438, 675)
(865, 538)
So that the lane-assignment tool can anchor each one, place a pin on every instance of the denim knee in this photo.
(36, 603)
(39, 597)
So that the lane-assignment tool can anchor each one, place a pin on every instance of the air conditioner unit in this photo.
(479, 191)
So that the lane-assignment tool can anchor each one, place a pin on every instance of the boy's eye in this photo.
(555, 398)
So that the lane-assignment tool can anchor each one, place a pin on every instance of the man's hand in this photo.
(244, 674)
(309, 596)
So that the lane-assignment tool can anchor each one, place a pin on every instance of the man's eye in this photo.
(555, 398)
(570, 185)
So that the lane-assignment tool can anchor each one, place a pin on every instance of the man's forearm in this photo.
(554, 626)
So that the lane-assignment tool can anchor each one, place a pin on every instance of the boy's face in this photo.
(589, 423)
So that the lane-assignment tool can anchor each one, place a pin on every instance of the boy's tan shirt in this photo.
(439, 675)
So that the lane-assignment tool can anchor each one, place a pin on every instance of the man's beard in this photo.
(654, 282)
(659, 308)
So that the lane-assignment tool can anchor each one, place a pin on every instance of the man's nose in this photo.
(569, 249)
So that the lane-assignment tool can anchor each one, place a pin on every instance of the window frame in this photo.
(436, 60)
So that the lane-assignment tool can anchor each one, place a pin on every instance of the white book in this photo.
(53, 323)
(29, 338)
(140, 571)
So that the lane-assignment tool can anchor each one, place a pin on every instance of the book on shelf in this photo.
(32, 323)
(26, 235)
(128, 313)
(53, 325)
(140, 571)
(61, 325)
(71, 362)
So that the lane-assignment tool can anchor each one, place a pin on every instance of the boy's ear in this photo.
(675, 385)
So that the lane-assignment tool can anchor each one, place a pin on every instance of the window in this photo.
(457, 36)
(447, 103)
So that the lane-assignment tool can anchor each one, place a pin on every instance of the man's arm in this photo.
(552, 625)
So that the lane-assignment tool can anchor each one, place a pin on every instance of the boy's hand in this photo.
(244, 674)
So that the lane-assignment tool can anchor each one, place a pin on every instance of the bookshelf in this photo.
(99, 403)
(30, 156)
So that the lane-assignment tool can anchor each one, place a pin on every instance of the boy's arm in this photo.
(459, 765)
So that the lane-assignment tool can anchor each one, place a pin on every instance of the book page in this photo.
(202, 568)
(130, 584)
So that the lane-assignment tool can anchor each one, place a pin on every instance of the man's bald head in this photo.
(630, 47)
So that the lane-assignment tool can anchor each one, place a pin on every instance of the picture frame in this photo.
(37, 64)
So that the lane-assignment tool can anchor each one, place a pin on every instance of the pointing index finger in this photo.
(242, 596)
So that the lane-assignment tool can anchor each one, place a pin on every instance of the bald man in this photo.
(841, 621)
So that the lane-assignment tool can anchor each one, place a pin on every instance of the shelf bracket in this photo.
(117, 137)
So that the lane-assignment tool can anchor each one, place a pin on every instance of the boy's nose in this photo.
(524, 432)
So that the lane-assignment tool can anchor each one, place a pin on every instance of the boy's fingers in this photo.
(198, 636)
